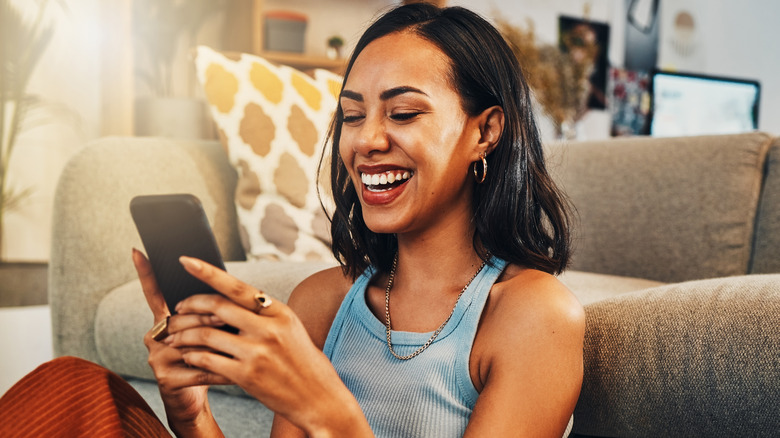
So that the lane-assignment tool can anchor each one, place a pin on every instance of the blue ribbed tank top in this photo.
(430, 395)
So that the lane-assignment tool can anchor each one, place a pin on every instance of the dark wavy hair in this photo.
(519, 213)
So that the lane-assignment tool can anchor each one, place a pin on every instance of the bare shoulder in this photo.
(317, 299)
(534, 296)
(535, 312)
(527, 360)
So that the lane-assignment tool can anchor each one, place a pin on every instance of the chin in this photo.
(380, 228)
(381, 223)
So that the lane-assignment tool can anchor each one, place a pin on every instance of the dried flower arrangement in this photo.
(558, 76)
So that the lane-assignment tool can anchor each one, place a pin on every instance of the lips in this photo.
(382, 187)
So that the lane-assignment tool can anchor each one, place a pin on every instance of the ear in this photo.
(491, 126)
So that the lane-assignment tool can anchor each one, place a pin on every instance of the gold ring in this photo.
(160, 330)
(261, 301)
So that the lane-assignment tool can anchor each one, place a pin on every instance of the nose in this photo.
(371, 136)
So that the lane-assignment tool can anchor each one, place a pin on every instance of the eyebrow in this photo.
(385, 95)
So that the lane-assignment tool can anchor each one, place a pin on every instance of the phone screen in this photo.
(172, 226)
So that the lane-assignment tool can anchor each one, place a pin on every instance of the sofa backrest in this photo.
(670, 209)
(766, 247)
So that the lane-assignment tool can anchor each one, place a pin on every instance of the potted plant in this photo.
(335, 44)
(159, 27)
(22, 43)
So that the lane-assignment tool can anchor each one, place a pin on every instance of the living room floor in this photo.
(25, 342)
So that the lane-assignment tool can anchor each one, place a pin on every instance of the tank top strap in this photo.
(469, 308)
(473, 303)
(355, 292)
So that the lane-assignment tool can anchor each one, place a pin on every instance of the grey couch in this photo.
(677, 261)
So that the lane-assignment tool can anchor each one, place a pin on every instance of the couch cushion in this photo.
(766, 252)
(690, 359)
(273, 122)
(589, 287)
(670, 209)
(123, 317)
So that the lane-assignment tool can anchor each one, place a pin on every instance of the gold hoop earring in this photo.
(477, 177)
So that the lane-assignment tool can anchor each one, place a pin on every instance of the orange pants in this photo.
(70, 397)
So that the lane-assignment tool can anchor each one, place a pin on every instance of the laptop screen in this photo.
(691, 104)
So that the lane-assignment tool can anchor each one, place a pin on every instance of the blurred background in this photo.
(99, 61)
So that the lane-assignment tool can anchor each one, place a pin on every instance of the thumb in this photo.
(154, 297)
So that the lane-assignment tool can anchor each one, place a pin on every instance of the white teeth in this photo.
(381, 179)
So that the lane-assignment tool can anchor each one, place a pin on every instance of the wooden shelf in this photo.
(305, 62)
(300, 61)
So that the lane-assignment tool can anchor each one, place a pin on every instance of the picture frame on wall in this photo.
(629, 101)
(588, 40)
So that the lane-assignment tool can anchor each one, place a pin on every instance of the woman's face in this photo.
(406, 141)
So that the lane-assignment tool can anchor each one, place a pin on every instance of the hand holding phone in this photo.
(171, 226)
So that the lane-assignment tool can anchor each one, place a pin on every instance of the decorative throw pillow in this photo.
(273, 122)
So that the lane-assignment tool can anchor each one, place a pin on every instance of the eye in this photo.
(403, 117)
(351, 119)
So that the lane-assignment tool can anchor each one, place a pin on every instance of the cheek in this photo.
(448, 140)
(347, 155)
(346, 151)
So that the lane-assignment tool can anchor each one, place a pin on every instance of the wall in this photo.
(737, 39)
(68, 116)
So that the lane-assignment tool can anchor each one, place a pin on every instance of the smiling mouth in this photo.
(384, 181)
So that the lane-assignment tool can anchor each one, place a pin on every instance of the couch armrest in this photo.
(93, 233)
(689, 359)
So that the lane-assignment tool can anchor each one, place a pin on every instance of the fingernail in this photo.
(190, 263)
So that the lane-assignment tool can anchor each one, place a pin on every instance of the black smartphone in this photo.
(171, 226)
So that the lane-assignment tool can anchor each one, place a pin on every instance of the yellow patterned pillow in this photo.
(273, 122)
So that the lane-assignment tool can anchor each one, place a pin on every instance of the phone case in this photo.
(171, 226)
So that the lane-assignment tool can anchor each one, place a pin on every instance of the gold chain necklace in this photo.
(435, 333)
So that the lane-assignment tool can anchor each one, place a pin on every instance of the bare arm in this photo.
(528, 359)
(316, 308)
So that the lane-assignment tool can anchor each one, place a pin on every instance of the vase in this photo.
(567, 130)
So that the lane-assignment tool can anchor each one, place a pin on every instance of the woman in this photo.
(445, 318)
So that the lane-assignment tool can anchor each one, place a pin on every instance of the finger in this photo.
(220, 309)
(193, 376)
(181, 322)
(154, 297)
(231, 287)
(171, 324)
(172, 372)
(186, 376)
(213, 366)
(211, 338)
